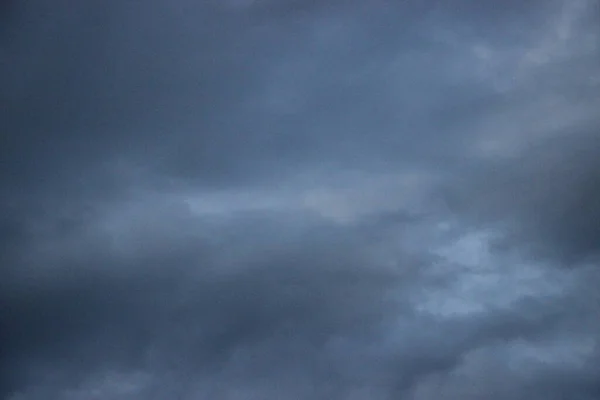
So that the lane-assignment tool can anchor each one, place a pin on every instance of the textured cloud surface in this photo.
(293, 199)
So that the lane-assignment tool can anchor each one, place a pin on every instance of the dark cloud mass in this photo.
(296, 199)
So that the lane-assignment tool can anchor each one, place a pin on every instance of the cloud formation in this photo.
(291, 199)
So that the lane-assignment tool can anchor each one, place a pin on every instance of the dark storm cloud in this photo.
(84, 80)
(299, 199)
(315, 310)
(546, 198)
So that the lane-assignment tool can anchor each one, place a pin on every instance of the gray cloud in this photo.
(299, 199)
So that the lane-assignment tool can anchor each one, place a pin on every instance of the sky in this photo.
(299, 199)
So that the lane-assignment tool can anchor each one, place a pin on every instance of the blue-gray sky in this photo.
(297, 199)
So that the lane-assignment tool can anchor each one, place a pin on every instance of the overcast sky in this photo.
(300, 199)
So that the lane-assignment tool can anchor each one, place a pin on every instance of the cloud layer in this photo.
(291, 199)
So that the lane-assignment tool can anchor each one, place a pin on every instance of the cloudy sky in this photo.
(300, 199)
